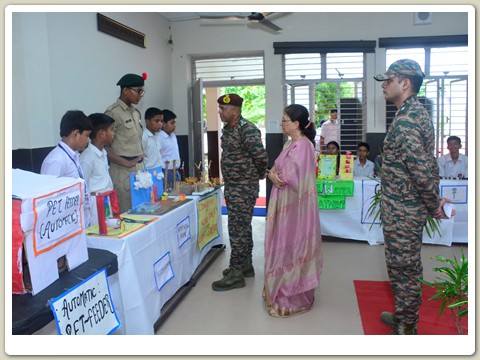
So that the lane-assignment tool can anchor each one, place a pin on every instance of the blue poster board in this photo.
(141, 196)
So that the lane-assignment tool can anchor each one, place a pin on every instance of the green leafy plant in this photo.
(374, 210)
(452, 288)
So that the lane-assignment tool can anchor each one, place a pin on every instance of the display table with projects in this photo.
(354, 223)
(158, 259)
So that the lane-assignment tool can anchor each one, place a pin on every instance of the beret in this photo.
(401, 67)
(131, 80)
(230, 99)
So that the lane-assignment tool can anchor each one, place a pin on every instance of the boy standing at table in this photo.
(151, 143)
(94, 160)
(170, 150)
(64, 159)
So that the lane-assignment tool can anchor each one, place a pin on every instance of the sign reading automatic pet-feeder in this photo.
(333, 189)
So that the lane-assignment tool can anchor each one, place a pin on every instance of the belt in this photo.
(130, 158)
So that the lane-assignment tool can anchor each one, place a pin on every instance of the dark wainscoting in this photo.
(30, 159)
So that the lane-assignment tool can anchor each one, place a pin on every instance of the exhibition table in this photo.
(32, 313)
(157, 260)
(353, 222)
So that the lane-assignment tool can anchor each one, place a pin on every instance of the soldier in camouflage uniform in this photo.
(244, 162)
(410, 191)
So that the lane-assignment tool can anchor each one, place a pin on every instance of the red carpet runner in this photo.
(376, 296)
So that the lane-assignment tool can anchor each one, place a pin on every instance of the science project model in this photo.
(48, 228)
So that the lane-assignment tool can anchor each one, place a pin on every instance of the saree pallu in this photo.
(293, 240)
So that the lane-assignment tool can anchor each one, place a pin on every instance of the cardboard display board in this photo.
(145, 195)
(52, 224)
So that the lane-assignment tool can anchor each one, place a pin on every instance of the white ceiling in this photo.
(182, 16)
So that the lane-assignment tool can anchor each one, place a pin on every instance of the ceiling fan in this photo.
(254, 17)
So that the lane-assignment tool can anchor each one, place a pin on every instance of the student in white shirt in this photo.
(151, 143)
(330, 130)
(169, 143)
(64, 159)
(94, 160)
(454, 164)
(361, 165)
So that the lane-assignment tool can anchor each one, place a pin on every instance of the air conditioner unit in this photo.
(422, 18)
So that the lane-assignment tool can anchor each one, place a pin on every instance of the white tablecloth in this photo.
(353, 223)
(140, 302)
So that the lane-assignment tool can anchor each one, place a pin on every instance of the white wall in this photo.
(62, 62)
(201, 38)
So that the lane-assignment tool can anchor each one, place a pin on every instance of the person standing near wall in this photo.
(126, 151)
(410, 191)
(244, 162)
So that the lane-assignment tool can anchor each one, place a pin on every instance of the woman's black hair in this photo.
(300, 113)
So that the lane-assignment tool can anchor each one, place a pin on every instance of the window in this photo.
(239, 70)
(444, 90)
(323, 81)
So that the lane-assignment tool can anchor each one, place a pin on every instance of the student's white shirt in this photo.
(152, 149)
(330, 132)
(364, 171)
(170, 149)
(446, 167)
(95, 169)
(62, 161)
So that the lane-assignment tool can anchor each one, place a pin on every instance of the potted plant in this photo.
(431, 227)
(452, 288)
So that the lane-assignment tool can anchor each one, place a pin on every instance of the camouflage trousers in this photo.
(240, 206)
(403, 244)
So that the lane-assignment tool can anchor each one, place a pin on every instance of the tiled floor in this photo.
(335, 312)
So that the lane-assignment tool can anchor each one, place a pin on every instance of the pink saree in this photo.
(293, 241)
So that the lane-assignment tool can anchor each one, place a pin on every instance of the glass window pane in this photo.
(415, 54)
(449, 61)
(344, 65)
(303, 67)
(240, 68)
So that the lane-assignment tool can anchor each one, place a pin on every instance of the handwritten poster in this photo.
(57, 217)
(86, 309)
(163, 271)
(207, 220)
(183, 231)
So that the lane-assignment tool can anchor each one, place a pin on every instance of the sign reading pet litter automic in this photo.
(86, 309)
(58, 217)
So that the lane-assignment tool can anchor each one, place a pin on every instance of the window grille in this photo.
(323, 81)
(243, 70)
(444, 91)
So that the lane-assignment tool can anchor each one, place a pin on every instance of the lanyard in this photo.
(79, 169)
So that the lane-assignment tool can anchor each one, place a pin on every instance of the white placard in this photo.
(183, 231)
(57, 217)
(369, 188)
(458, 194)
(87, 308)
(163, 271)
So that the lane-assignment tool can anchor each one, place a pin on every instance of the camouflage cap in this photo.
(401, 67)
(131, 80)
(230, 99)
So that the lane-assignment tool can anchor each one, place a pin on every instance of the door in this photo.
(196, 135)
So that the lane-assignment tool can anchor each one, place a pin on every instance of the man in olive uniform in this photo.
(126, 151)
(410, 191)
(244, 162)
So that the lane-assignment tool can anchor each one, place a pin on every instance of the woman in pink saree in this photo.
(293, 241)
